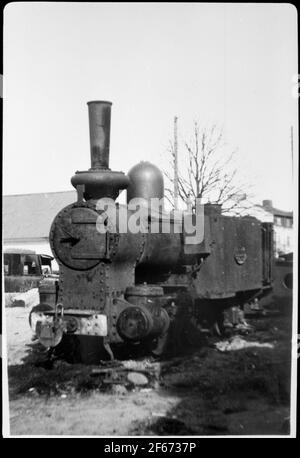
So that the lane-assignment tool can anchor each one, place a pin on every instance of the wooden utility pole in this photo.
(175, 165)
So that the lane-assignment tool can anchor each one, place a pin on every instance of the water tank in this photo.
(146, 181)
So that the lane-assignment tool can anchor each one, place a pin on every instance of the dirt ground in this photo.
(205, 392)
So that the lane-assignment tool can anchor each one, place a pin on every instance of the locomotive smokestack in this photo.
(99, 181)
(99, 121)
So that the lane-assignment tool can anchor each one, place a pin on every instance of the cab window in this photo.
(6, 266)
(46, 265)
(31, 265)
(12, 264)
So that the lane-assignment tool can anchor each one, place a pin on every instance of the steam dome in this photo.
(146, 181)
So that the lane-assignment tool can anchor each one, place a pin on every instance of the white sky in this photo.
(227, 63)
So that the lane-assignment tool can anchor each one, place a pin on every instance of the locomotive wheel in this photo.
(159, 348)
(218, 326)
(161, 341)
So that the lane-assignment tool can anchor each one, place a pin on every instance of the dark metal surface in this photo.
(146, 181)
(144, 290)
(235, 262)
(99, 122)
(48, 291)
(267, 252)
(144, 318)
(75, 240)
(99, 181)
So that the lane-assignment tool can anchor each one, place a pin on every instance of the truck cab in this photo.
(24, 269)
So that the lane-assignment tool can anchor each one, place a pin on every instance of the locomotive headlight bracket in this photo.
(89, 323)
(49, 331)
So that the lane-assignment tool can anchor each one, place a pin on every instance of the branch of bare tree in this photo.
(206, 175)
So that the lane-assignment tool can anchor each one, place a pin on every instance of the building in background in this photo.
(282, 220)
(283, 225)
(27, 219)
(283, 228)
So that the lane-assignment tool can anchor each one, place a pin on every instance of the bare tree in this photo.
(208, 172)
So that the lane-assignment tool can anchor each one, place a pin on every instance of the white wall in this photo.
(283, 238)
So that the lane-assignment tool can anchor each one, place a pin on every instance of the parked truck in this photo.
(24, 269)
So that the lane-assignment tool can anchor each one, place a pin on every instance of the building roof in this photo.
(18, 251)
(276, 212)
(29, 216)
(268, 206)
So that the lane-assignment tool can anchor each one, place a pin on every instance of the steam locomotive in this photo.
(117, 290)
